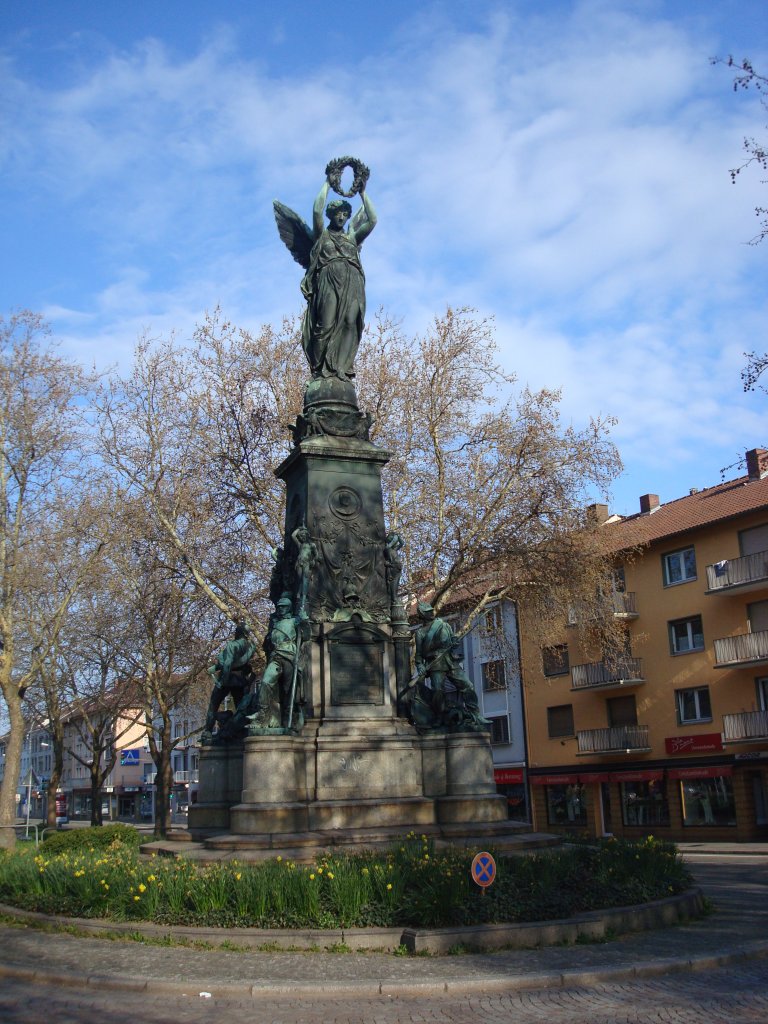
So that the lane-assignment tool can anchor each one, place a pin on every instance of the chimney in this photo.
(598, 514)
(649, 502)
(757, 463)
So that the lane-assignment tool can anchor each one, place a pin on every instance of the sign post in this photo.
(483, 870)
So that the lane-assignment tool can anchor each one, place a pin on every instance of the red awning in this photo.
(554, 780)
(710, 772)
(644, 775)
(507, 776)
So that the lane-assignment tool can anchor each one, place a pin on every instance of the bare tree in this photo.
(487, 485)
(43, 521)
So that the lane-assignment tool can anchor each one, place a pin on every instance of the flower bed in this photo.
(411, 886)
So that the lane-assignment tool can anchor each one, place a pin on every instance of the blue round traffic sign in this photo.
(483, 870)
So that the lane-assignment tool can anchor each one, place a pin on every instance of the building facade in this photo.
(492, 662)
(669, 736)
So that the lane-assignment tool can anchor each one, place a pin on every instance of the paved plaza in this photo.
(711, 970)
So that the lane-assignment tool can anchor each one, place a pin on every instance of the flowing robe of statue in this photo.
(334, 287)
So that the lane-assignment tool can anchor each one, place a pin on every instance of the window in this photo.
(494, 675)
(499, 729)
(693, 705)
(560, 720)
(679, 566)
(686, 635)
(708, 801)
(761, 683)
(555, 660)
(644, 803)
(621, 711)
(566, 805)
(492, 621)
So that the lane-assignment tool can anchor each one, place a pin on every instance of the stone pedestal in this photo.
(357, 766)
(220, 788)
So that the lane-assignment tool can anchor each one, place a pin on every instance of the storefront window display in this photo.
(708, 802)
(644, 803)
(566, 804)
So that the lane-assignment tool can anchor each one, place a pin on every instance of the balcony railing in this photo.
(745, 649)
(747, 572)
(618, 603)
(624, 604)
(178, 776)
(618, 739)
(745, 725)
(617, 672)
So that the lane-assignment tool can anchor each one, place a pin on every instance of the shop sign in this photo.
(752, 755)
(554, 780)
(507, 776)
(702, 743)
(128, 757)
(647, 775)
(712, 772)
(595, 777)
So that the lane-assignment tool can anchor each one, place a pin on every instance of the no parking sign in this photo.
(483, 870)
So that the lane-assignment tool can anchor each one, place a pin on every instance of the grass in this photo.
(410, 886)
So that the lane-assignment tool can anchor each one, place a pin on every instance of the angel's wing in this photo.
(295, 233)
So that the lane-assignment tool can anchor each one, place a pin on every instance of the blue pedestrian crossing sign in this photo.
(483, 870)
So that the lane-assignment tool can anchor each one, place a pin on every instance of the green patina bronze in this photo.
(439, 657)
(334, 283)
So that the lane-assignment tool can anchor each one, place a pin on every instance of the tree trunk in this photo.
(14, 745)
(96, 818)
(163, 785)
(53, 785)
(57, 738)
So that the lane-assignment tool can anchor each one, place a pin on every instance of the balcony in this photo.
(750, 572)
(607, 675)
(742, 650)
(745, 726)
(186, 776)
(618, 739)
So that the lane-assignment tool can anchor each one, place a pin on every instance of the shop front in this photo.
(510, 782)
(726, 801)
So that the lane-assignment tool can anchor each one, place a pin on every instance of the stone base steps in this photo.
(502, 837)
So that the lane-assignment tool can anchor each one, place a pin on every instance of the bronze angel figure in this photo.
(334, 283)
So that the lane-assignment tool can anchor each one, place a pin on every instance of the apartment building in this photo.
(492, 662)
(34, 771)
(669, 737)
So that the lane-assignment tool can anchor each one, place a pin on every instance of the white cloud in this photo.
(567, 173)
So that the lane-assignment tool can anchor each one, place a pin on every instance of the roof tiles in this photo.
(711, 505)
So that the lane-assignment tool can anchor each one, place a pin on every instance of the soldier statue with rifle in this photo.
(439, 657)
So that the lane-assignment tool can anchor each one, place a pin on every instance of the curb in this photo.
(389, 988)
(592, 925)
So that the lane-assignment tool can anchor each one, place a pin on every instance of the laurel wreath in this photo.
(335, 169)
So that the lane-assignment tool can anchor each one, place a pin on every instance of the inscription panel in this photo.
(357, 673)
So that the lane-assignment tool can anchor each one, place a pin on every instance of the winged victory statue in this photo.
(334, 282)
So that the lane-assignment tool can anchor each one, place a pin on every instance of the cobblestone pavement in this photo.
(577, 984)
(736, 995)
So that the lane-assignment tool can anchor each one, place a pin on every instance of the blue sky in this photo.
(560, 166)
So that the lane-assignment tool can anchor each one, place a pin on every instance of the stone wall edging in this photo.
(592, 926)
